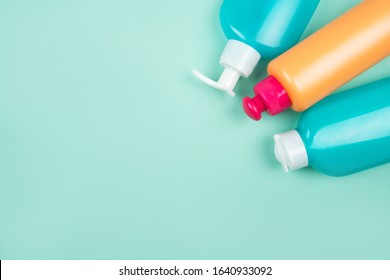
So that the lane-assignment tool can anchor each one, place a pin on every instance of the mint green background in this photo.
(111, 149)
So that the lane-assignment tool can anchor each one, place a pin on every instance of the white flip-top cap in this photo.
(290, 150)
(239, 59)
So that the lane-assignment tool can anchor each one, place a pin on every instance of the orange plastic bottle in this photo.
(325, 61)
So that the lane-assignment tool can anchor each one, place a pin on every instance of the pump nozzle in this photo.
(226, 83)
(239, 59)
(253, 107)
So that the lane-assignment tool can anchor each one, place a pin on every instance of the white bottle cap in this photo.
(239, 59)
(290, 150)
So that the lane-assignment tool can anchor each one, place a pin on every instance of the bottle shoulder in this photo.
(270, 27)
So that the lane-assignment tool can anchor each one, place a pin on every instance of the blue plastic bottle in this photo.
(257, 28)
(341, 135)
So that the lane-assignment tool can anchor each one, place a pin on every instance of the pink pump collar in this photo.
(270, 96)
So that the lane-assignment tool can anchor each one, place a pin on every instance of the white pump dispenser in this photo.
(239, 60)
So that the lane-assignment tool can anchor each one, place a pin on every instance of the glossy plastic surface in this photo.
(335, 54)
(350, 131)
(270, 27)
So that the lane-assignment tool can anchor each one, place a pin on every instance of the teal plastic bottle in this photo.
(341, 135)
(255, 29)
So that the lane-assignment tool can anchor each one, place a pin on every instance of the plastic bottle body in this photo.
(335, 54)
(270, 27)
(348, 132)
(255, 29)
(324, 61)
